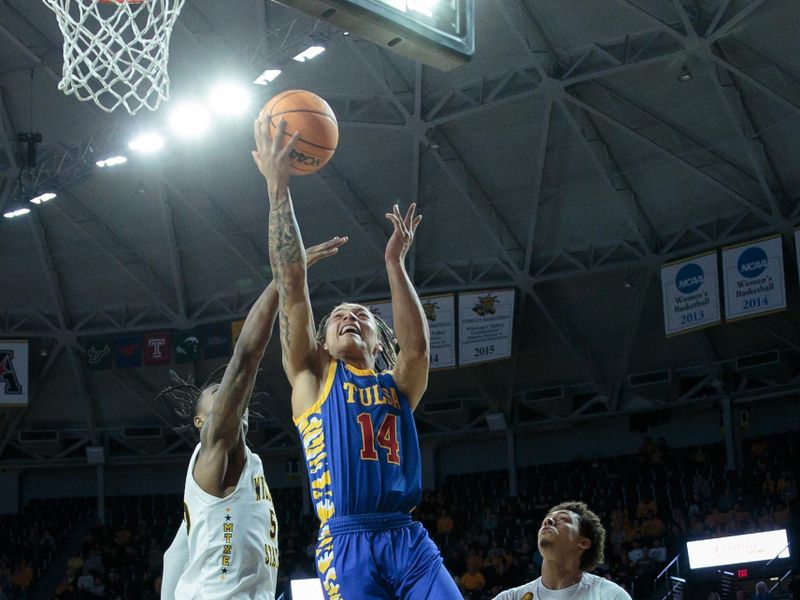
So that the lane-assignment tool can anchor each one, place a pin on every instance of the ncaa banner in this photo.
(753, 274)
(485, 321)
(440, 312)
(383, 309)
(13, 372)
(690, 292)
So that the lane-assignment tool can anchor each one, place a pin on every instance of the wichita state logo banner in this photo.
(690, 292)
(13, 372)
(753, 278)
(485, 321)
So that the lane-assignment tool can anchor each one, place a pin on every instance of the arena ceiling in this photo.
(566, 160)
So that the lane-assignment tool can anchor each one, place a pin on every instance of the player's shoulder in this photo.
(604, 588)
(523, 592)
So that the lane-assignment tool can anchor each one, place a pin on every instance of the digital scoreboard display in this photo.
(738, 549)
(439, 33)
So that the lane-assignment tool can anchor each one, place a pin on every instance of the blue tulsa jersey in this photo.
(360, 444)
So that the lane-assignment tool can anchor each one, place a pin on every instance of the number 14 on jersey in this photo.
(386, 438)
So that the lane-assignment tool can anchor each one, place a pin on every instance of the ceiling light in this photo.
(309, 53)
(112, 161)
(627, 285)
(425, 7)
(267, 76)
(147, 143)
(686, 74)
(229, 99)
(43, 198)
(189, 119)
(17, 213)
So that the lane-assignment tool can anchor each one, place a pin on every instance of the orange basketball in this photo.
(313, 118)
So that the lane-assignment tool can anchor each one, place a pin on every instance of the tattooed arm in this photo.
(303, 358)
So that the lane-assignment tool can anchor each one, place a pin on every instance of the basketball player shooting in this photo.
(352, 401)
(227, 546)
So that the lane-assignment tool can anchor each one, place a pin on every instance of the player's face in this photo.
(351, 330)
(560, 532)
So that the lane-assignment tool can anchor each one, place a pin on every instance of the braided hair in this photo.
(183, 396)
(387, 357)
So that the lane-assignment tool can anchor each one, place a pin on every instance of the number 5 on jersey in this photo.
(387, 438)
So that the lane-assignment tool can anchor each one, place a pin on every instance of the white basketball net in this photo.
(116, 53)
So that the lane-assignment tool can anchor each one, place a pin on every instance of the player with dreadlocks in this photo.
(228, 544)
(352, 401)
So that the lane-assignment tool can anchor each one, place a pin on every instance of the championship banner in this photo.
(690, 292)
(157, 349)
(187, 347)
(216, 340)
(485, 321)
(128, 351)
(99, 354)
(753, 274)
(13, 372)
(440, 312)
(383, 310)
(236, 331)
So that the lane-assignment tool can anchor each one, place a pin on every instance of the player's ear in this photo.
(584, 543)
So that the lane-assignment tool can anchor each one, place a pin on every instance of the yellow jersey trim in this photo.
(360, 372)
(326, 390)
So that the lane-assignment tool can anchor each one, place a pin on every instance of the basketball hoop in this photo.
(116, 51)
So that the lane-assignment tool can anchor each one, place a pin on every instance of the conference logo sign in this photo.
(690, 293)
(754, 278)
(13, 372)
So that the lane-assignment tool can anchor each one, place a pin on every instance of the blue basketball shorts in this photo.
(384, 556)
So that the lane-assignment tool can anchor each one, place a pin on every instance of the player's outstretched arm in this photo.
(301, 355)
(236, 386)
(410, 324)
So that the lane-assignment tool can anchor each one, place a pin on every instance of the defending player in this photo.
(228, 546)
(355, 422)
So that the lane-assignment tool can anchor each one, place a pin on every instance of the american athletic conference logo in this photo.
(752, 262)
(690, 278)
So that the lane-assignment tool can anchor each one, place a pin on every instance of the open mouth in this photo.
(350, 329)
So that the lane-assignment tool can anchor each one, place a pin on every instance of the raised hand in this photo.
(403, 235)
(324, 250)
(271, 155)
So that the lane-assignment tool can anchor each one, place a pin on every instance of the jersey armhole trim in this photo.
(326, 390)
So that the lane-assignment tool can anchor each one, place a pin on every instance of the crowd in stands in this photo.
(122, 560)
(651, 503)
(28, 542)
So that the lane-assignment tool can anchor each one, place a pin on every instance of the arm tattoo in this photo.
(285, 248)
